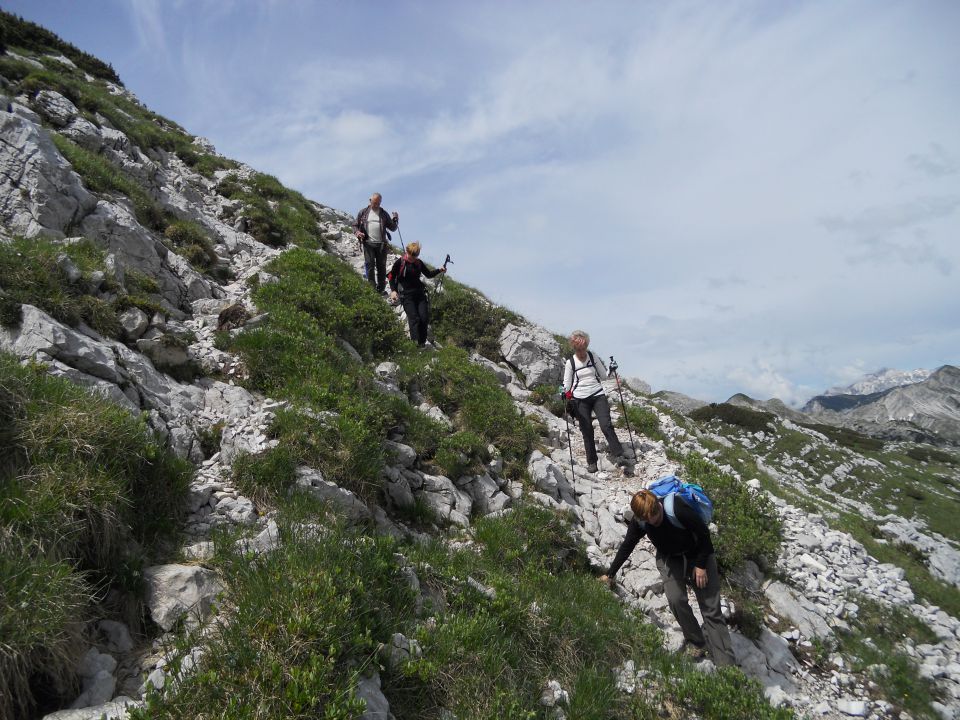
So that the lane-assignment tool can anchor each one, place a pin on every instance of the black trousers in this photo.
(596, 405)
(417, 308)
(375, 262)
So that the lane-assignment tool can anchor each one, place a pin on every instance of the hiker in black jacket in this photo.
(684, 555)
(405, 282)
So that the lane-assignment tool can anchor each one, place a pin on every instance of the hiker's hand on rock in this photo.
(700, 577)
(606, 580)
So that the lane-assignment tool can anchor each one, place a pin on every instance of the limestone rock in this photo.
(534, 352)
(39, 192)
(180, 591)
(55, 107)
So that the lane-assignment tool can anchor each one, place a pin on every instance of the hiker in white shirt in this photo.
(582, 376)
(371, 227)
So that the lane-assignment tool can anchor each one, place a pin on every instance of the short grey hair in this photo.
(580, 334)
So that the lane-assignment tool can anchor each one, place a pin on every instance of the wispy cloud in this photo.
(147, 17)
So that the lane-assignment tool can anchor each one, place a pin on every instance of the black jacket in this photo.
(693, 540)
(405, 276)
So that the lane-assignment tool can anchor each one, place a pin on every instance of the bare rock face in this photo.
(39, 192)
(180, 591)
(534, 352)
(55, 108)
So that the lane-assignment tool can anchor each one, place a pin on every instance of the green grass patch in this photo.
(86, 491)
(193, 242)
(472, 397)
(464, 317)
(337, 300)
(276, 215)
(642, 420)
(31, 274)
(461, 453)
(304, 626)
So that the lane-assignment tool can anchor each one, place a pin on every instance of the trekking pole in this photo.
(623, 405)
(563, 395)
(436, 288)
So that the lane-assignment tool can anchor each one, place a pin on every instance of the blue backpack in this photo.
(693, 495)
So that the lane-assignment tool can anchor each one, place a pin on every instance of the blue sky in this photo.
(758, 197)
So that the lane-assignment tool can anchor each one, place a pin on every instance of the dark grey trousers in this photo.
(417, 308)
(676, 572)
(375, 264)
(599, 406)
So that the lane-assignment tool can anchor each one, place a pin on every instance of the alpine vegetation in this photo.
(233, 486)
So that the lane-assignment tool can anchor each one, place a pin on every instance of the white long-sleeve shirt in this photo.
(581, 377)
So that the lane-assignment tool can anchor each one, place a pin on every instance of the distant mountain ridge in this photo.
(931, 405)
(925, 410)
(883, 379)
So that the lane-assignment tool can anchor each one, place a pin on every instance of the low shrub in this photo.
(642, 420)
(752, 420)
(192, 241)
(461, 453)
(932, 455)
(549, 397)
(462, 316)
(474, 399)
(846, 437)
(20, 33)
(748, 525)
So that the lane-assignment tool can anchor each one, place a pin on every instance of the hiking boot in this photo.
(619, 460)
(591, 467)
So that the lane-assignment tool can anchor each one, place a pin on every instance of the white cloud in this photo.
(734, 196)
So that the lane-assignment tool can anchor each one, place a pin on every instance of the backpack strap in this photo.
(591, 362)
(670, 512)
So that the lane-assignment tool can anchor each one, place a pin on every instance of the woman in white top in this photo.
(582, 376)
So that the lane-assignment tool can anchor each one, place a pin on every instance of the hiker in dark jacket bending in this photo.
(582, 374)
(405, 282)
(371, 228)
(684, 554)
